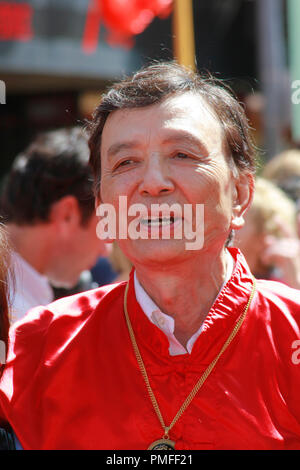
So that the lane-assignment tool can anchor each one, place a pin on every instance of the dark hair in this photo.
(155, 82)
(53, 166)
(4, 291)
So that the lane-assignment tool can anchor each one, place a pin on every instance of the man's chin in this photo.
(157, 251)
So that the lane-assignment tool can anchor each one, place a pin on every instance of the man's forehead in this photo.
(177, 110)
(181, 104)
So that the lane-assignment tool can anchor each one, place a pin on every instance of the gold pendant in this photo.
(162, 444)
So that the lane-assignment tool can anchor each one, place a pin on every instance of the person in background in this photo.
(49, 211)
(284, 171)
(269, 239)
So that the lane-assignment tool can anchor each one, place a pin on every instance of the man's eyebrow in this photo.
(178, 137)
(182, 137)
(119, 146)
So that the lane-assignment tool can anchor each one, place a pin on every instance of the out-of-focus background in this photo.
(56, 56)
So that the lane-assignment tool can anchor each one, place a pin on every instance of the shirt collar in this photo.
(31, 287)
(166, 322)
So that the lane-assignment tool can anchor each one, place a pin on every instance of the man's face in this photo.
(170, 152)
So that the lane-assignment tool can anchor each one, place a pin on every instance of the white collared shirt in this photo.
(165, 322)
(30, 288)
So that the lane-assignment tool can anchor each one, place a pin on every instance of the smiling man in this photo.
(192, 352)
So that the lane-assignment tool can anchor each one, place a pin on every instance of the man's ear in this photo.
(65, 214)
(242, 198)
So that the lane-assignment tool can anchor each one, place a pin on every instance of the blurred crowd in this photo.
(270, 237)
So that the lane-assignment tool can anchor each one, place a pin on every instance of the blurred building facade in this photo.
(51, 81)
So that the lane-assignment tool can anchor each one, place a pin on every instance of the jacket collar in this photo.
(218, 324)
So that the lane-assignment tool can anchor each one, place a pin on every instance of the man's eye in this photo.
(123, 163)
(181, 155)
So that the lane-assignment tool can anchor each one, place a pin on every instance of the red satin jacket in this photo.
(72, 379)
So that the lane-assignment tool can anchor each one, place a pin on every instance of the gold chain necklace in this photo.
(165, 443)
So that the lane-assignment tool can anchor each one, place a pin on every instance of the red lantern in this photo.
(122, 18)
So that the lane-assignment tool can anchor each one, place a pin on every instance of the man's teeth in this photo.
(158, 221)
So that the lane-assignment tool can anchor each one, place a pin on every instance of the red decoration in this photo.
(92, 27)
(15, 21)
(122, 18)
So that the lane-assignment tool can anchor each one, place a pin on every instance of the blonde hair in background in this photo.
(274, 212)
(283, 166)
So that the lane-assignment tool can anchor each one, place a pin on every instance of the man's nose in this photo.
(156, 178)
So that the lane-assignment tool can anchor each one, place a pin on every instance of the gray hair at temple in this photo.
(158, 81)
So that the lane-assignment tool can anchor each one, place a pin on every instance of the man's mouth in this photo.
(157, 221)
